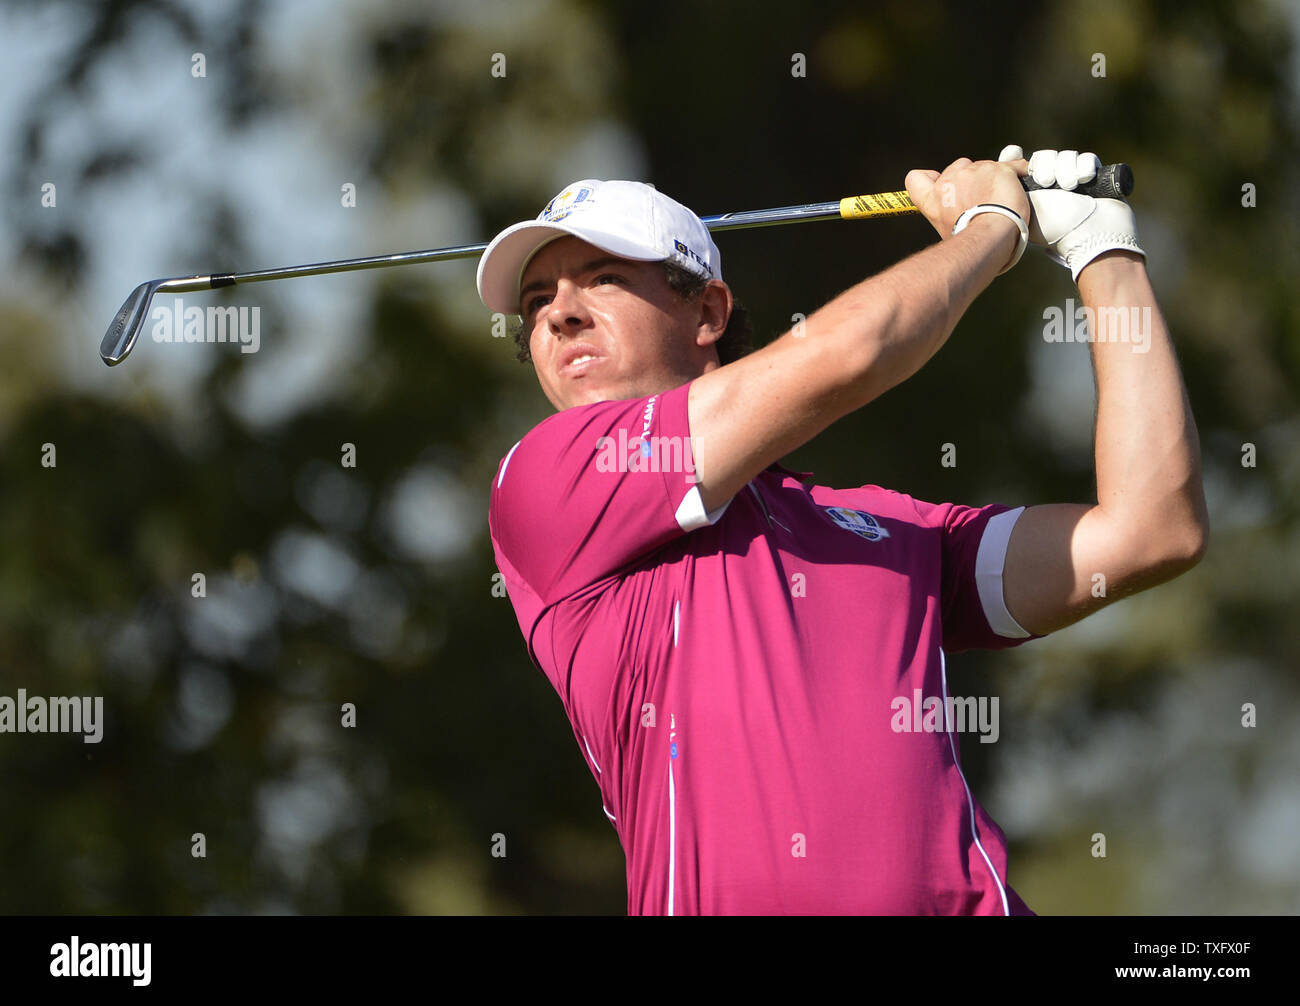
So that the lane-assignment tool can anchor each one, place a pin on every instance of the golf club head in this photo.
(121, 336)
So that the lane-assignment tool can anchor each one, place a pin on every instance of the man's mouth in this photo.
(580, 364)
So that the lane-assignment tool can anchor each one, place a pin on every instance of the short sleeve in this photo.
(974, 547)
(594, 488)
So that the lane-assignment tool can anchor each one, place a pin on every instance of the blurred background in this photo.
(373, 584)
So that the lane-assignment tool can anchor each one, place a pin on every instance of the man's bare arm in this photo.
(1150, 522)
(754, 411)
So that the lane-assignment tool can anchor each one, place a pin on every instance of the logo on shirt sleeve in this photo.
(859, 522)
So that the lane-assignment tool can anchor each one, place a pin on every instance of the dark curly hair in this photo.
(736, 340)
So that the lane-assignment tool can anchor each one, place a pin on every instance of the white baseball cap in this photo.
(628, 219)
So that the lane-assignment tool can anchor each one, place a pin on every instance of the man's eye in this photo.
(540, 300)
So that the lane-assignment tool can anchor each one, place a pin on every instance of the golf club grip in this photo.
(1113, 181)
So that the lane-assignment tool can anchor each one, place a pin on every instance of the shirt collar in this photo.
(799, 476)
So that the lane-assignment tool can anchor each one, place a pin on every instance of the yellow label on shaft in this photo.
(882, 204)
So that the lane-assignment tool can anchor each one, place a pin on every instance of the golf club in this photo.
(1113, 181)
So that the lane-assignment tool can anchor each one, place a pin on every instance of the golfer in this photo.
(732, 641)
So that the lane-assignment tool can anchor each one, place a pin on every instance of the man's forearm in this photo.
(1147, 452)
(890, 324)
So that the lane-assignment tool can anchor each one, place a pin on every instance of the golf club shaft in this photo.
(1112, 181)
(881, 204)
(864, 207)
(218, 280)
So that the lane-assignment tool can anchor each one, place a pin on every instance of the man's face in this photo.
(579, 300)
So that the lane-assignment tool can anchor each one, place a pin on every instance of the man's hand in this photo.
(964, 183)
(1072, 227)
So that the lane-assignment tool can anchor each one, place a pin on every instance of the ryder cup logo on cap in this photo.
(559, 207)
(629, 219)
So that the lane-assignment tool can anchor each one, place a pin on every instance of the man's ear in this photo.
(714, 307)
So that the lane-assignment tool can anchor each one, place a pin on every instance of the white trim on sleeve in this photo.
(990, 561)
(690, 514)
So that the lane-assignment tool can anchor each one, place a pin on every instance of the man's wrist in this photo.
(1106, 274)
(1114, 260)
(1002, 231)
(997, 224)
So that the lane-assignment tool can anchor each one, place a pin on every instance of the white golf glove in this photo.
(1073, 227)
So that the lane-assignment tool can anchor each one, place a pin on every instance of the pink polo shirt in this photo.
(759, 691)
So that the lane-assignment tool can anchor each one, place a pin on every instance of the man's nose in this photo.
(566, 309)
